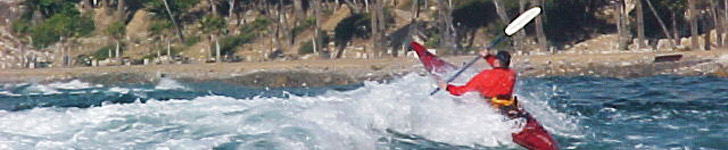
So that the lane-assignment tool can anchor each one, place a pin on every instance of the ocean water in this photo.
(659, 112)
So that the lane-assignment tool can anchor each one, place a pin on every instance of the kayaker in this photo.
(495, 85)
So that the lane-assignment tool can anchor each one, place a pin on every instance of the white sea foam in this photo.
(8, 93)
(119, 90)
(37, 89)
(73, 85)
(169, 84)
(335, 120)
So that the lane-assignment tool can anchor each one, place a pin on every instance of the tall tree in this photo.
(640, 25)
(353, 6)
(162, 28)
(382, 25)
(706, 26)
(174, 22)
(317, 15)
(659, 20)
(500, 9)
(297, 18)
(116, 30)
(693, 17)
(375, 32)
(445, 25)
(213, 25)
(717, 23)
(521, 36)
(540, 34)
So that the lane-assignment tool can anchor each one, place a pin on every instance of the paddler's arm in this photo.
(470, 86)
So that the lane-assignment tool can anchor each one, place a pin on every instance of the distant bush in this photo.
(466, 13)
(228, 44)
(160, 26)
(356, 25)
(60, 25)
(304, 25)
(258, 25)
(212, 23)
(21, 26)
(176, 6)
(192, 40)
(307, 48)
(116, 29)
(249, 32)
(100, 54)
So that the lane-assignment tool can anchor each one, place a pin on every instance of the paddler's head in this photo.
(502, 59)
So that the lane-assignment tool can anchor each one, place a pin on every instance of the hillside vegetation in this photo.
(198, 31)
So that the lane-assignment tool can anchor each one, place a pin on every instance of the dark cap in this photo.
(504, 58)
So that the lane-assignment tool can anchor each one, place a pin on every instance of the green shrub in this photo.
(303, 26)
(306, 48)
(189, 41)
(60, 25)
(356, 25)
(212, 23)
(258, 25)
(229, 43)
(464, 13)
(21, 26)
(116, 29)
(160, 26)
(102, 53)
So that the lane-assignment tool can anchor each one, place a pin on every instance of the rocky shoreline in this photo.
(313, 73)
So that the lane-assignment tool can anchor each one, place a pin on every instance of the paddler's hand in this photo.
(442, 85)
(483, 53)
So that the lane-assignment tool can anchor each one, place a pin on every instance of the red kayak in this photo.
(533, 136)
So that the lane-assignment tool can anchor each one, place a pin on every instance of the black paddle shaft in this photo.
(493, 44)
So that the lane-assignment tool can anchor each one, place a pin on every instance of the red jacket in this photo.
(489, 82)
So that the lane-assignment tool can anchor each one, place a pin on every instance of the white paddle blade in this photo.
(522, 20)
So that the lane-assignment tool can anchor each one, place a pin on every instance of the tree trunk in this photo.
(217, 49)
(174, 22)
(231, 9)
(210, 44)
(354, 8)
(620, 33)
(659, 20)
(121, 9)
(317, 28)
(117, 50)
(298, 12)
(675, 33)
(444, 12)
(213, 7)
(382, 28)
(416, 4)
(367, 6)
(520, 37)
(503, 15)
(282, 25)
(413, 24)
(169, 49)
(640, 25)
(375, 32)
(717, 23)
(706, 26)
(540, 34)
(693, 24)
(500, 10)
